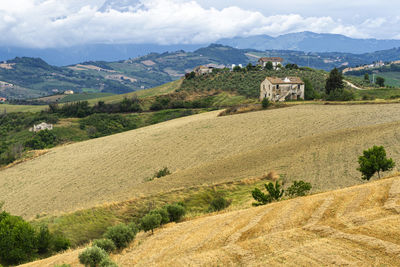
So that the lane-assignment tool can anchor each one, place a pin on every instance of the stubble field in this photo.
(316, 143)
(356, 226)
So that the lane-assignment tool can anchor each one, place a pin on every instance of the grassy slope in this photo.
(357, 226)
(159, 90)
(204, 149)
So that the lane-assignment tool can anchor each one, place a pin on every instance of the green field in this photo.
(391, 78)
(84, 96)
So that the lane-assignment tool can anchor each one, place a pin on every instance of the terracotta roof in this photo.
(272, 59)
(287, 80)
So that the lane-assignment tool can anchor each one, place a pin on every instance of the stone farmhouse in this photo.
(275, 61)
(277, 89)
(40, 127)
(200, 70)
(68, 92)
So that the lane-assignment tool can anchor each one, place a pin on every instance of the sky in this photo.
(63, 23)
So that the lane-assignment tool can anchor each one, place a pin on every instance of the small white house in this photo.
(277, 89)
(68, 92)
(40, 127)
(274, 60)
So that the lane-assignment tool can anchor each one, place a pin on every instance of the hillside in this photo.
(203, 149)
(357, 226)
(33, 77)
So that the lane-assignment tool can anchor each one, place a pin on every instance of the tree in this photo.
(92, 256)
(150, 222)
(298, 188)
(366, 77)
(374, 160)
(18, 242)
(176, 212)
(274, 193)
(380, 81)
(44, 239)
(265, 103)
(269, 66)
(334, 81)
(121, 235)
(309, 92)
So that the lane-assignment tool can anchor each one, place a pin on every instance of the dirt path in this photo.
(353, 85)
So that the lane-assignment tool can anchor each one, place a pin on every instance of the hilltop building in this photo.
(274, 60)
(277, 89)
(68, 92)
(40, 127)
(200, 70)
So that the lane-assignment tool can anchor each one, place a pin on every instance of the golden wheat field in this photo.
(356, 226)
(316, 143)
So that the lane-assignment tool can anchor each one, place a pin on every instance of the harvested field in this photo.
(356, 226)
(316, 143)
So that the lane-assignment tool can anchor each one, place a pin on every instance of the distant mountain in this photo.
(311, 42)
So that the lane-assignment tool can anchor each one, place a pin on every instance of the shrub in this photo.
(92, 256)
(218, 203)
(18, 242)
(150, 222)
(44, 239)
(41, 140)
(175, 212)
(121, 235)
(265, 103)
(161, 173)
(374, 160)
(341, 95)
(163, 213)
(106, 244)
(260, 197)
(274, 193)
(299, 188)
(60, 242)
(107, 262)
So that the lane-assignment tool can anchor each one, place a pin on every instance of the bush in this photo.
(106, 244)
(374, 160)
(218, 203)
(163, 213)
(107, 262)
(175, 212)
(18, 242)
(92, 256)
(121, 235)
(44, 239)
(299, 188)
(161, 173)
(341, 95)
(274, 193)
(150, 222)
(265, 103)
(41, 140)
(60, 242)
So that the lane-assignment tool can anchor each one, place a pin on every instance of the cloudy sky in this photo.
(55, 23)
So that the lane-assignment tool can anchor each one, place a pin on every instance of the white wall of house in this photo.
(281, 92)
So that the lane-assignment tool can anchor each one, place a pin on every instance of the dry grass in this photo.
(316, 143)
(356, 226)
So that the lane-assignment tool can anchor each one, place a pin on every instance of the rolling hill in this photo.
(203, 149)
(23, 78)
(356, 226)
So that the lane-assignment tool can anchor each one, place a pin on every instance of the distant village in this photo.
(374, 65)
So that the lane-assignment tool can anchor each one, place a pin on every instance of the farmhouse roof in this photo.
(271, 59)
(287, 80)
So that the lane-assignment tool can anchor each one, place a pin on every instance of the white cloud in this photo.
(51, 23)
